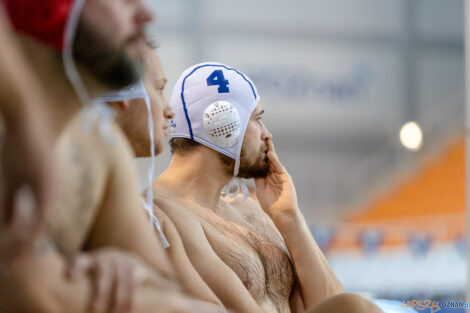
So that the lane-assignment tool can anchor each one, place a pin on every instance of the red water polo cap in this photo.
(44, 20)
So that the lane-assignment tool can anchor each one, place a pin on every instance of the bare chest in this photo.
(257, 255)
(82, 181)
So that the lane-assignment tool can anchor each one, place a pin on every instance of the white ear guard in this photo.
(222, 123)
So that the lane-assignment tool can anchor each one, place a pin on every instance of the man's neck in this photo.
(197, 177)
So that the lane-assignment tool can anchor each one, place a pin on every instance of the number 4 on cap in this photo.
(217, 78)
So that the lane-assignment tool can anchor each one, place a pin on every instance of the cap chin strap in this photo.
(236, 184)
(67, 54)
(148, 204)
(100, 114)
(155, 222)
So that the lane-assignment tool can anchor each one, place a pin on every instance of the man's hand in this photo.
(115, 276)
(276, 193)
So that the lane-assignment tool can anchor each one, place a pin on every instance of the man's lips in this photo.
(136, 40)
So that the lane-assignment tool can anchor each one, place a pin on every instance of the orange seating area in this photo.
(429, 201)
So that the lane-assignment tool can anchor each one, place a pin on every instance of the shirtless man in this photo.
(132, 110)
(255, 256)
(98, 204)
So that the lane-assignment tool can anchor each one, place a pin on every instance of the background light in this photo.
(411, 136)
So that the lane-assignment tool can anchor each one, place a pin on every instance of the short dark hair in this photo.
(182, 145)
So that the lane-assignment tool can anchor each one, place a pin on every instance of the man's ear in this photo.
(120, 105)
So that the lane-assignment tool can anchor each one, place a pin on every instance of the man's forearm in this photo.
(316, 277)
(37, 282)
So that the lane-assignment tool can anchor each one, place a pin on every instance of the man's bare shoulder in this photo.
(169, 229)
(175, 211)
(104, 147)
(112, 142)
(102, 138)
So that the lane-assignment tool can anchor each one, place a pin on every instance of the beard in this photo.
(252, 165)
(257, 167)
(109, 64)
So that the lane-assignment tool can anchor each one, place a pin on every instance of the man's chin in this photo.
(254, 172)
(252, 175)
(136, 49)
(135, 54)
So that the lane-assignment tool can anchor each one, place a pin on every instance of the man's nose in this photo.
(143, 14)
(266, 134)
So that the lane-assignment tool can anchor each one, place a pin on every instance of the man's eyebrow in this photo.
(260, 112)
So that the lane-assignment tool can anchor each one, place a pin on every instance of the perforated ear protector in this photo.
(222, 123)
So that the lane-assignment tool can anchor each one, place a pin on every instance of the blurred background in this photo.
(365, 100)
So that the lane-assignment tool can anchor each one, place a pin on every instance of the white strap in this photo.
(67, 54)
(236, 168)
(240, 186)
(98, 113)
(149, 203)
(157, 225)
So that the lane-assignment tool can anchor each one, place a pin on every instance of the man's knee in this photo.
(353, 303)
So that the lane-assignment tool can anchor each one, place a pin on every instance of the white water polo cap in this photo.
(213, 103)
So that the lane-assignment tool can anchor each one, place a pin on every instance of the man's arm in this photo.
(37, 282)
(220, 278)
(276, 195)
(316, 277)
(122, 221)
(38, 279)
(26, 147)
(34, 281)
(188, 276)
